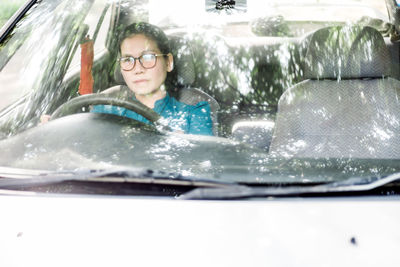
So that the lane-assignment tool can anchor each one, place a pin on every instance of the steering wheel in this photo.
(76, 104)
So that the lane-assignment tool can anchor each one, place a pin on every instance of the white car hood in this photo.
(125, 231)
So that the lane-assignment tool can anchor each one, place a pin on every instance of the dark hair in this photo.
(150, 31)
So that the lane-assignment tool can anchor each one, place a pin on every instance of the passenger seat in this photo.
(348, 106)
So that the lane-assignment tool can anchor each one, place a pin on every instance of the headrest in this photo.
(342, 52)
(183, 73)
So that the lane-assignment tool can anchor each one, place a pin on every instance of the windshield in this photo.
(247, 91)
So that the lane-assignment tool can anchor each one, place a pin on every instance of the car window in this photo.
(20, 57)
(7, 9)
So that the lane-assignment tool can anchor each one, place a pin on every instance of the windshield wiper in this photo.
(203, 188)
(11, 178)
(351, 185)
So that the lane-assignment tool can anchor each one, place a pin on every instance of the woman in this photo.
(145, 60)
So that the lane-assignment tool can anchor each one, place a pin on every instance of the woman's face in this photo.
(140, 80)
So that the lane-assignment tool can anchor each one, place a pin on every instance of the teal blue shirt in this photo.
(179, 116)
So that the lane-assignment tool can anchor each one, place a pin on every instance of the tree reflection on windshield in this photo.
(300, 100)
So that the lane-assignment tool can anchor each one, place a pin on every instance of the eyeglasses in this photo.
(147, 61)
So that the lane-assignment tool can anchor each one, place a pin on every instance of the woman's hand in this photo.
(44, 119)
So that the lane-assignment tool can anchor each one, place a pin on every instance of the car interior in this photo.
(266, 114)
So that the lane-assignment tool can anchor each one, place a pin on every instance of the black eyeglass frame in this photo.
(140, 61)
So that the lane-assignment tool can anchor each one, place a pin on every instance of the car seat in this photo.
(181, 79)
(348, 106)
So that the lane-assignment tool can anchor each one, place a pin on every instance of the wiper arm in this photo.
(204, 188)
(353, 184)
(116, 175)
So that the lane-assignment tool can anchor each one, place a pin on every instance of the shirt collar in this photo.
(160, 104)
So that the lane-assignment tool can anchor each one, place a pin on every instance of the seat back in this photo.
(347, 106)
